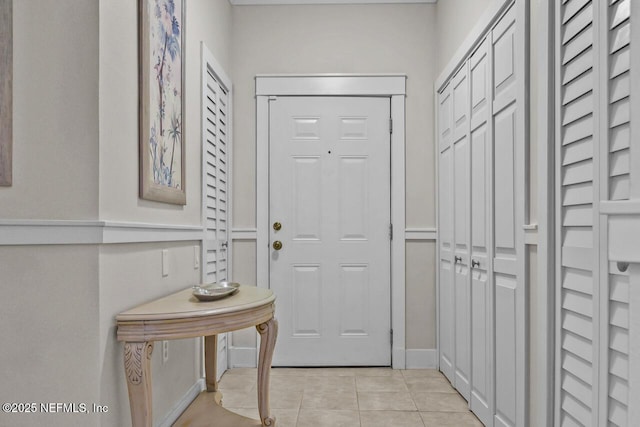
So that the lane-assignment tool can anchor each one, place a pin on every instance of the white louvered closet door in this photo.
(215, 192)
(216, 181)
(593, 165)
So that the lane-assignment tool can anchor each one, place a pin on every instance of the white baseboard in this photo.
(243, 357)
(422, 359)
(182, 404)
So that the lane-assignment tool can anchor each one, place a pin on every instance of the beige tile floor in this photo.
(351, 397)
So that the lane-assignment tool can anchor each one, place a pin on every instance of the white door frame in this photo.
(387, 85)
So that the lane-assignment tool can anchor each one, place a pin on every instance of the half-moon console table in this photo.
(181, 315)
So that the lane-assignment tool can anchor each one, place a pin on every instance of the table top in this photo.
(183, 305)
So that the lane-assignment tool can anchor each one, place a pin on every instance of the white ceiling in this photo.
(274, 2)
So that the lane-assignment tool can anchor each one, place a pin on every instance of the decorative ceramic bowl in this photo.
(215, 291)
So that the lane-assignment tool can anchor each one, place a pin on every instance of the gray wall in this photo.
(344, 39)
(454, 21)
(76, 158)
(55, 111)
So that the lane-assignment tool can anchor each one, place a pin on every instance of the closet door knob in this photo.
(475, 263)
(458, 259)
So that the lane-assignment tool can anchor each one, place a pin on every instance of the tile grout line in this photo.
(355, 385)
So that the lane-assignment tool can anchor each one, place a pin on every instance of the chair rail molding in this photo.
(87, 232)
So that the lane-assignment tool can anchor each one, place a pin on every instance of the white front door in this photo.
(329, 198)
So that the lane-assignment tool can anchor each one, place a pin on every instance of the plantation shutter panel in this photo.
(615, 175)
(216, 240)
(215, 130)
(577, 278)
(593, 163)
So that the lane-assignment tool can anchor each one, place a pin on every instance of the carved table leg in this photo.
(211, 366)
(137, 366)
(268, 332)
(211, 361)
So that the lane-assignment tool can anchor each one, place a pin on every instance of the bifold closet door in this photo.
(508, 190)
(482, 149)
(461, 220)
(445, 236)
(481, 401)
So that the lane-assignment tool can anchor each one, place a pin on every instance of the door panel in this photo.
(330, 190)
(461, 202)
(445, 237)
(481, 298)
(507, 285)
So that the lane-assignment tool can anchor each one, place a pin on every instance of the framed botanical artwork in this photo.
(161, 82)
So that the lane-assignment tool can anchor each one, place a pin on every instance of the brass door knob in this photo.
(277, 226)
(277, 245)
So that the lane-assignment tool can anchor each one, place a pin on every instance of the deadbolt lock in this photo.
(277, 245)
(277, 226)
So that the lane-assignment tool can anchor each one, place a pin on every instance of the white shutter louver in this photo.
(618, 128)
(216, 101)
(215, 86)
(576, 195)
(593, 153)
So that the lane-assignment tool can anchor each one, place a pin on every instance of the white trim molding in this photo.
(542, 339)
(66, 232)
(307, 2)
(331, 85)
(244, 234)
(387, 85)
(420, 234)
(530, 234)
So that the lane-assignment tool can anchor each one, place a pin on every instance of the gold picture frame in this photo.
(161, 99)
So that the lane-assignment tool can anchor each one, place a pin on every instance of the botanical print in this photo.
(165, 92)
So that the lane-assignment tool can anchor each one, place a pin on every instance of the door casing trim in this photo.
(387, 85)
